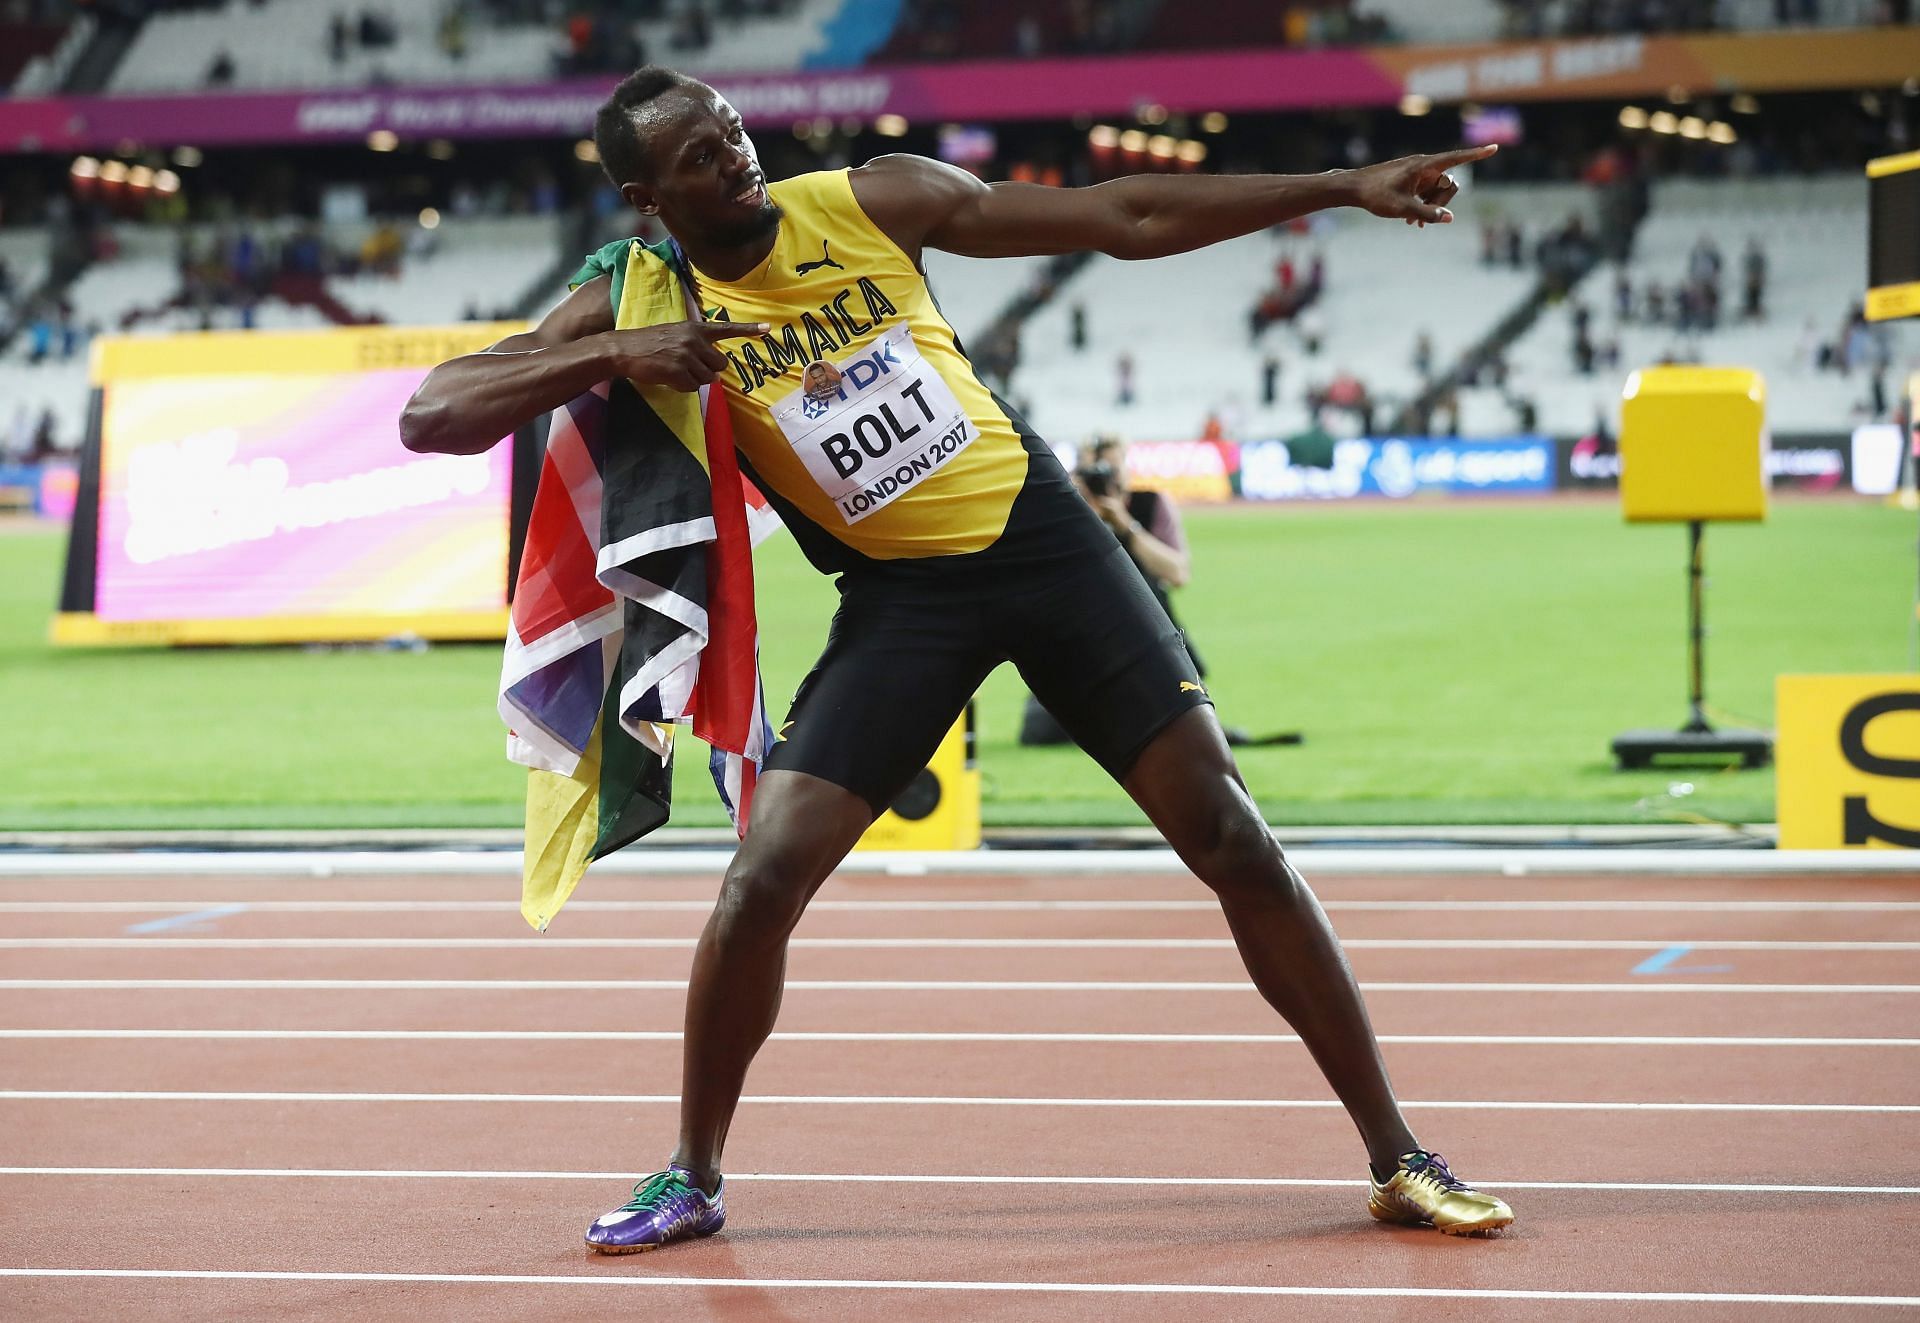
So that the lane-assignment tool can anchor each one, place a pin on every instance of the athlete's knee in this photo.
(760, 903)
(1238, 858)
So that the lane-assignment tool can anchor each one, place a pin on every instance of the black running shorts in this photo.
(903, 658)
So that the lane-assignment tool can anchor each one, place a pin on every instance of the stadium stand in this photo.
(291, 43)
(473, 268)
(479, 267)
(1188, 342)
(1813, 234)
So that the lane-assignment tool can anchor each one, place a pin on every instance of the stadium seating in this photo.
(1184, 323)
(486, 262)
(480, 263)
(1813, 232)
(1422, 20)
(25, 250)
(284, 43)
(973, 292)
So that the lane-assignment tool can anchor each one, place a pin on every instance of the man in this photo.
(961, 544)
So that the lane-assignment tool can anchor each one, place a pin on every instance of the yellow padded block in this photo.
(1691, 445)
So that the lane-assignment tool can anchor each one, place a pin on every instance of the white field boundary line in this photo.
(823, 1178)
(917, 1100)
(958, 1036)
(1024, 1288)
(683, 863)
(664, 906)
(535, 942)
(880, 985)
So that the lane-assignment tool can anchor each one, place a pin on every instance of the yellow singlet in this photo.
(859, 412)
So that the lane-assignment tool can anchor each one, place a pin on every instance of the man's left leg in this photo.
(1186, 781)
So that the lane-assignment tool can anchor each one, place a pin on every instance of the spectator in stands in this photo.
(1754, 268)
(1423, 354)
(452, 34)
(1270, 379)
(1123, 373)
(338, 36)
(1622, 296)
(1077, 326)
(220, 72)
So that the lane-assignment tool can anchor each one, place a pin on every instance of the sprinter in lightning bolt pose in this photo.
(961, 544)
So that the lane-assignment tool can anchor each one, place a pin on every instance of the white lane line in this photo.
(912, 1100)
(1395, 861)
(1031, 1288)
(534, 942)
(876, 985)
(849, 1178)
(665, 906)
(957, 1036)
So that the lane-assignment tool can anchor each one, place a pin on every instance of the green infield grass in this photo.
(1448, 663)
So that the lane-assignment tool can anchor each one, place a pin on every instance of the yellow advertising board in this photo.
(940, 809)
(1849, 759)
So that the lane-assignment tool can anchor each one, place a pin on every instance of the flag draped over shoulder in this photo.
(634, 610)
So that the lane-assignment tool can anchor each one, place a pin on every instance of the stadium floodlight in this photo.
(429, 218)
(1153, 113)
(383, 140)
(586, 151)
(1722, 132)
(1744, 103)
(1693, 127)
(891, 126)
(1414, 105)
(1664, 121)
(1633, 117)
(1133, 141)
(187, 157)
(1213, 122)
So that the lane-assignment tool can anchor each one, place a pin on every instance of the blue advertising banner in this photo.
(1398, 467)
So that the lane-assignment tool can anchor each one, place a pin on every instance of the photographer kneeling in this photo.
(1147, 524)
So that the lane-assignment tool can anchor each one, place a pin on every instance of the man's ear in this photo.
(641, 199)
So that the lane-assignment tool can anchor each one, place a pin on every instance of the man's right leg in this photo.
(800, 829)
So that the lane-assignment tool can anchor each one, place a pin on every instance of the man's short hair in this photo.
(616, 128)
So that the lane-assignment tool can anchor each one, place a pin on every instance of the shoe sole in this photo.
(642, 1249)
(1482, 1227)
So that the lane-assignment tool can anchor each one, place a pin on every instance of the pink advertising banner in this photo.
(1237, 80)
(996, 90)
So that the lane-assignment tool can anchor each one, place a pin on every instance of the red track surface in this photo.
(375, 1195)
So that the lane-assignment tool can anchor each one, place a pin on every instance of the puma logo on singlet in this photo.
(1189, 687)
(826, 259)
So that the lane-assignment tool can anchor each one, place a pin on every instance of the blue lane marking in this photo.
(1662, 961)
(1658, 961)
(180, 920)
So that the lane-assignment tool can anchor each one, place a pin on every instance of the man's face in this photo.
(704, 180)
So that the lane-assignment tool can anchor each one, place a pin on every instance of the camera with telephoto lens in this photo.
(1097, 477)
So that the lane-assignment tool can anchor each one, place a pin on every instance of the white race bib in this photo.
(871, 426)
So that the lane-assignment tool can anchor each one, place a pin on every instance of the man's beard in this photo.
(764, 221)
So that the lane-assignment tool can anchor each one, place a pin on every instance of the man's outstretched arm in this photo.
(922, 203)
(468, 403)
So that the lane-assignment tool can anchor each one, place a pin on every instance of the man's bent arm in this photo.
(467, 404)
(924, 203)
